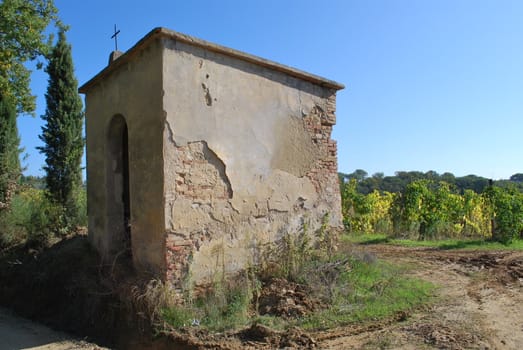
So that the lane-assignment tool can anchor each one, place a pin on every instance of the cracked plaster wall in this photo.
(247, 158)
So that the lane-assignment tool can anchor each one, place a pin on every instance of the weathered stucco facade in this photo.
(198, 155)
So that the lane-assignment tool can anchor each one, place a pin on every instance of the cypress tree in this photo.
(9, 150)
(62, 133)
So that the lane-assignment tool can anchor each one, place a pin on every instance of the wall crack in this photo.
(170, 131)
(207, 95)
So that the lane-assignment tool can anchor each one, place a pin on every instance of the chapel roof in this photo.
(167, 33)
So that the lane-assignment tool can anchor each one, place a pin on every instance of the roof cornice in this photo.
(163, 32)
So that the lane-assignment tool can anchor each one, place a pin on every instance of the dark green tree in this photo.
(517, 177)
(22, 39)
(472, 182)
(448, 178)
(62, 133)
(359, 175)
(9, 150)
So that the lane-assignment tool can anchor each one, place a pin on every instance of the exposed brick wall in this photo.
(200, 174)
(199, 177)
(178, 258)
(319, 124)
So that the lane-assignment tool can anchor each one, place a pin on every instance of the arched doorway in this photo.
(117, 187)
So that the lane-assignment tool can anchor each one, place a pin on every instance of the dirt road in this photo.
(17, 333)
(479, 306)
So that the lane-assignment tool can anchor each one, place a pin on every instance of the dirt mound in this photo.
(256, 336)
(505, 267)
(195, 339)
(515, 268)
(296, 338)
(443, 337)
(282, 298)
(480, 261)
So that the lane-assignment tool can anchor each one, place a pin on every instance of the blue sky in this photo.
(430, 84)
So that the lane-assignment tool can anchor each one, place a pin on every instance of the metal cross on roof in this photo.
(116, 32)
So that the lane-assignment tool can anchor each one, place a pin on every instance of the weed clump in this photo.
(220, 307)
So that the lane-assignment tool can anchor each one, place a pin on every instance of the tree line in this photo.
(58, 206)
(431, 208)
(397, 183)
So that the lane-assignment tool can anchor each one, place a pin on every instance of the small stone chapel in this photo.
(198, 155)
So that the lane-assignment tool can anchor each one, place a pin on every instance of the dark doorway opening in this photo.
(117, 188)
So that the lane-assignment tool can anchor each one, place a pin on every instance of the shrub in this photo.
(32, 218)
(507, 213)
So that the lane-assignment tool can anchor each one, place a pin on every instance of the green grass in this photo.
(365, 238)
(445, 244)
(224, 308)
(370, 291)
